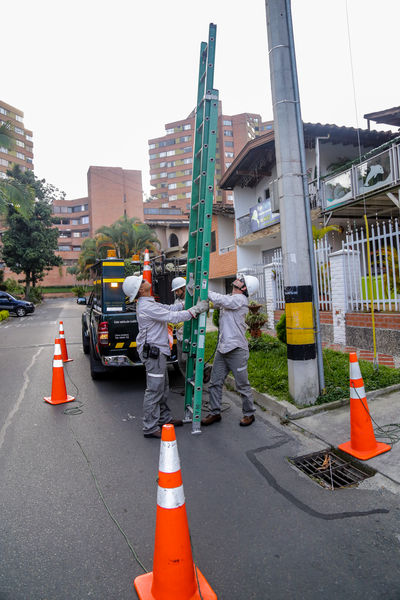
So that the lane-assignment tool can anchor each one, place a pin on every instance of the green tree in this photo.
(12, 191)
(127, 236)
(320, 233)
(30, 242)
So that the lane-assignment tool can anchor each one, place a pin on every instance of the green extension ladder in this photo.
(205, 143)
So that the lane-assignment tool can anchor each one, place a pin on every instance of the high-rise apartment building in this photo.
(171, 157)
(22, 153)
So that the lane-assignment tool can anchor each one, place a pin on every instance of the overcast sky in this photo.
(96, 79)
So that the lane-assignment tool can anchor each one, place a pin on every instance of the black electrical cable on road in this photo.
(77, 410)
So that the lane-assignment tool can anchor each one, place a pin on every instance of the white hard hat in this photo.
(177, 283)
(252, 284)
(131, 286)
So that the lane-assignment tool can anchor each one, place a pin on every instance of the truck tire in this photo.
(85, 341)
(97, 369)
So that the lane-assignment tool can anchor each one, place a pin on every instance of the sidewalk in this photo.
(330, 423)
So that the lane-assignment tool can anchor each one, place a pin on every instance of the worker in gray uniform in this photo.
(178, 286)
(232, 351)
(153, 348)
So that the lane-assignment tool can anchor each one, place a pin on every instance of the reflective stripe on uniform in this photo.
(241, 369)
(170, 497)
(155, 374)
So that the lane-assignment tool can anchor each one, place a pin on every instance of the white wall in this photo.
(226, 235)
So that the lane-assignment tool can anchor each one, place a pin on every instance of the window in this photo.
(173, 240)
(169, 131)
(20, 155)
(162, 211)
(173, 197)
(172, 186)
(185, 138)
(187, 161)
(170, 153)
(85, 220)
(76, 248)
(163, 154)
(64, 248)
(3, 175)
(187, 149)
(229, 123)
(228, 165)
(85, 233)
(213, 245)
(29, 137)
(171, 163)
(3, 150)
(4, 162)
(228, 144)
(229, 154)
(3, 111)
(18, 118)
(188, 183)
(29, 160)
(19, 131)
(76, 234)
(187, 126)
(171, 175)
(188, 195)
(74, 221)
(152, 146)
(153, 156)
(20, 144)
(228, 133)
(187, 172)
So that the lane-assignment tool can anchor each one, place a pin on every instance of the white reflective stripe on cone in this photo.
(169, 457)
(357, 393)
(57, 350)
(57, 363)
(355, 372)
(170, 497)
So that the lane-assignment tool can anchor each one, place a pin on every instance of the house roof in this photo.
(257, 158)
(389, 116)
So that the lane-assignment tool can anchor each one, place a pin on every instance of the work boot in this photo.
(246, 421)
(155, 434)
(175, 422)
(211, 419)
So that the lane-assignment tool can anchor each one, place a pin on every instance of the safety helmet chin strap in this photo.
(244, 289)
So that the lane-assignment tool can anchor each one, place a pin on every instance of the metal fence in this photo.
(384, 245)
(321, 254)
(384, 250)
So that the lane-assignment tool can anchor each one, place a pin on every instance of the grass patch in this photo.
(268, 373)
(57, 289)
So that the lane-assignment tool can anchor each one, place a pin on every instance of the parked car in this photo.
(19, 307)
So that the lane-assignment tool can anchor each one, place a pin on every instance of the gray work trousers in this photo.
(235, 361)
(182, 358)
(156, 411)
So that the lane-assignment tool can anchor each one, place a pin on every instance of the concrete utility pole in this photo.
(301, 347)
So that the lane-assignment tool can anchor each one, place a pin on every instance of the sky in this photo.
(97, 79)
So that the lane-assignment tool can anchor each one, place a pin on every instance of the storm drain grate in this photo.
(329, 470)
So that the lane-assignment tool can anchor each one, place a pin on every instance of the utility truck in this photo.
(109, 323)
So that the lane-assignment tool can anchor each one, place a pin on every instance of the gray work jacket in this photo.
(152, 321)
(232, 327)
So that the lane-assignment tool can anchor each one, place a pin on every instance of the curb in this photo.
(285, 410)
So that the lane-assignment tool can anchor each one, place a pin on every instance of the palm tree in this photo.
(13, 191)
(127, 237)
(318, 234)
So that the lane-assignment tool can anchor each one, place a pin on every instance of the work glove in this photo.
(200, 307)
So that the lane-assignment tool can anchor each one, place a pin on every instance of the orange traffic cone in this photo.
(147, 269)
(362, 444)
(63, 343)
(174, 575)
(58, 390)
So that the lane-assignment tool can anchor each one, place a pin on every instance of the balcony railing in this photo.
(375, 173)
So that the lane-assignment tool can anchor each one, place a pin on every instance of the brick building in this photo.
(171, 158)
(22, 154)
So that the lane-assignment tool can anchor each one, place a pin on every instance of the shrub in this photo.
(281, 329)
(35, 295)
(4, 314)
(215, 317)
(13, 287)
(79, 290)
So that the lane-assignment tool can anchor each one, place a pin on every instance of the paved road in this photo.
(259, 528)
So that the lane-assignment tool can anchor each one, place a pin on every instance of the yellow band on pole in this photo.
(370, 287)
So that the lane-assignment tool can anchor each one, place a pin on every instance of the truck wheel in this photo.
(97, 369)
(85, 341)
